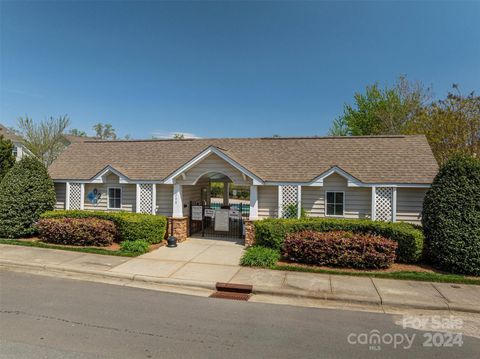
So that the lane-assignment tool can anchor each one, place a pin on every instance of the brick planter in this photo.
(180, 228)
(249, 233)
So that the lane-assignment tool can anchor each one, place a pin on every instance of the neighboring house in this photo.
(19, 149)
(376, 177)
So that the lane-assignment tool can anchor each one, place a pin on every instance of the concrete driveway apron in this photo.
(205, 260)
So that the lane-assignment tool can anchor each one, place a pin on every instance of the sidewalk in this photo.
(202, 263)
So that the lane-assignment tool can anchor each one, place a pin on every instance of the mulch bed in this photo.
(112, 247)
(396, 267)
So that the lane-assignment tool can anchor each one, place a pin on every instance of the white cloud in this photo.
(165, 135)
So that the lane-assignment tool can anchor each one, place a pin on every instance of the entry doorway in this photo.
(222, 210)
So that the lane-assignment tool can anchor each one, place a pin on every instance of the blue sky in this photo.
(224, 69)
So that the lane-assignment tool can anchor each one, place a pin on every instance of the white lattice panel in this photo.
(289, 198)
(146, 198)
(75, 195)
(384, 203)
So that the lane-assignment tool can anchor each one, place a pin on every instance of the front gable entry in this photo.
(212, 161)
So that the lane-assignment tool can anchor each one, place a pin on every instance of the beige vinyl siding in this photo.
(129, 194)
(60, 194)
(213, 164)
(267, 201)
(409, 204)
(357, 200)
(164, 204)
(190, 193)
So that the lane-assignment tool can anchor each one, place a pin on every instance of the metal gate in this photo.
(217, 221)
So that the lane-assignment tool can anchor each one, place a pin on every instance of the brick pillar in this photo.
(249, 233)
(180, 228)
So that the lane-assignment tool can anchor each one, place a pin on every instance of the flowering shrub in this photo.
(271, 232)
(340, 249)
(77, 231)
(130, 226)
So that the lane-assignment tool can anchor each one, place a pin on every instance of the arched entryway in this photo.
(220, 208)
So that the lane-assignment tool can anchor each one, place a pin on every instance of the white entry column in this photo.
(177, 201)
(253, 202)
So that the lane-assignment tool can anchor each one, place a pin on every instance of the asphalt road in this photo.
(44, 317)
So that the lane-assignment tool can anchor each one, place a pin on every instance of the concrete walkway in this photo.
(202, 263)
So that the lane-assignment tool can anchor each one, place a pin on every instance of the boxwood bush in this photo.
(340, 249)
(26, 192)
(130, 226)
(260, 257)
(451, 217)
(77, 231)
(272, 232)
(134, 247)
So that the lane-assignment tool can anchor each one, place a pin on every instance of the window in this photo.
(114, 198)
(15, 151)
(335, 203)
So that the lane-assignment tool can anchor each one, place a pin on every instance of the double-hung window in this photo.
(114, 198)
(335, 203)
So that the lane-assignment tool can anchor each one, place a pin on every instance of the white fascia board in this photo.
(352, 181)
(96, 180)
(395, 185)
(170, 179)
(100, 177)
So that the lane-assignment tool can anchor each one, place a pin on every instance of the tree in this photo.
(7, 160)
(451, 216)
(77, 132)
(25, 193)
(45, 139)
(452, 125)
(382, 111)
(105, 131)
(178, 136)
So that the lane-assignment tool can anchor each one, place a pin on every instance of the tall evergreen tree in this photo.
(7, 160)
(25, 193)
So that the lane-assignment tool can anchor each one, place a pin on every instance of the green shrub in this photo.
(130, 226)
(26, 192)
(451, 217)
(272, 232)
(77, 231)
(7, 160)
(260, 257)
(134, 247)
(340, 249)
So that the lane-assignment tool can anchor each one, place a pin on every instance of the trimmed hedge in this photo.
(451, 217)
(77, 231)
(26, 192)
(272, 232)
(130, 226)
(340, 249)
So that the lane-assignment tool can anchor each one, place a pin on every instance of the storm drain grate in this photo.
(232, 291)
(230, 295)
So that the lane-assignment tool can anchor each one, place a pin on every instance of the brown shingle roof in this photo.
(9, 135)
(371, 159)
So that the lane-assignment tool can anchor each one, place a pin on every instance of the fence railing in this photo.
(243, 208)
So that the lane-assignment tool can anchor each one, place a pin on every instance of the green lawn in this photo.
(65, 248)
(404, 275)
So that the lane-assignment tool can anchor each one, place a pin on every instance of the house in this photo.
(19, 148)
(375, 177)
